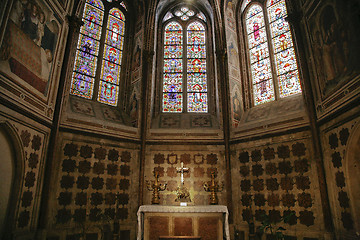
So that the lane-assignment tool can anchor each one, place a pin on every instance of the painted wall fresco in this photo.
(233, 63)
(28, 49)
(334, 42)
(136, 68)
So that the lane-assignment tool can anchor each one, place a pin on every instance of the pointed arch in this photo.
(16, 161)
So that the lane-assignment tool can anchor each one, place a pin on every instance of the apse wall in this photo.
(277, 177)
(95, 184)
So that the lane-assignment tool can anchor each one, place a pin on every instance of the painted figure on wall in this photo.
(136, 56)
(29, 43)
(236, 105)
(335, 38)
(134, 109)
(229, 12)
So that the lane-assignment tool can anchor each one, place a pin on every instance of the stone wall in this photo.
(277, 177)
(94, 178)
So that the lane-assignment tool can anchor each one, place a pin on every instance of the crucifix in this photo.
(182, 170)
(183, 195)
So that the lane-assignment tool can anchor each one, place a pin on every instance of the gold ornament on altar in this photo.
(182, 193)
(213, 188)
(156, 187)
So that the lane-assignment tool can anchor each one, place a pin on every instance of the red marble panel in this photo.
(208, 228)
(158, 226)
(183, 226)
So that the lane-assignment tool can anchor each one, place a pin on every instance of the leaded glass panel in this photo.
(259, 56)
(88, 45)
(111, 63)
(285, 61)
(277, 11)
(261, 70)
(82, 85)
(173, 37)
(85, 63)
(259, 53)
(196, 51)
(172, 102)
(172, 82)
(197, 102)
(257, 37)
(196, 26)
(117, 13)
(196, 82)
(282, 42)
(108, 93)
(173, 51)
(285, 58)
(289, 84)
(196, 37)
(91, 29)
(172, 65)
(264, 92)
(96, 3)
(196, 65)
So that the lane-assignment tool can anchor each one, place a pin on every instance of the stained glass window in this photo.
(83, 77)
(263, 88)
(282, 53)
(86, 62)
(110, 71)
(196, 68)
(173, 68)
(184, 79)
(285, 59)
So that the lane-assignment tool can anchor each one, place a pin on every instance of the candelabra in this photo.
(156, 187)
(213, 188)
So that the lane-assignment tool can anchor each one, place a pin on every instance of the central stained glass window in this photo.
(184, 74)
(93, 37)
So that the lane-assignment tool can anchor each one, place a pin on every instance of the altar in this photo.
(209, 222)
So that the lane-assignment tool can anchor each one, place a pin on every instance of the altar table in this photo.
(210, 222)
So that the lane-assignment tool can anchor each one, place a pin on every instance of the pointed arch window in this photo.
(99, 52)
(273, 64)
(184, 86)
